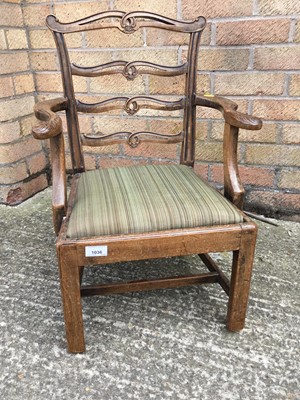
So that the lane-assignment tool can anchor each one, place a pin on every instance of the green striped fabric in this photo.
(145, 199)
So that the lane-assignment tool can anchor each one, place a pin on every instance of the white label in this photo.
(95, 251)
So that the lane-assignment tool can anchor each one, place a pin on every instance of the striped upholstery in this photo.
(144, 199)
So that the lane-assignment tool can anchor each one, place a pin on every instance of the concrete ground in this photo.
(166, 344)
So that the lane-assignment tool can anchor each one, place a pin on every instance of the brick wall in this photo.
(22, 159)
(250, 53)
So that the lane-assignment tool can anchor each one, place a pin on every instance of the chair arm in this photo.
(52, 124)
(233, 188)
(51, 128)
(228, 109)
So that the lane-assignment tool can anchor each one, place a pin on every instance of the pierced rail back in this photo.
(128, 23)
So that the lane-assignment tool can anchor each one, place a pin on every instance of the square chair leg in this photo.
(70, 277)
(240, 280)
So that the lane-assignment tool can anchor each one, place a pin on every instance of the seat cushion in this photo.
(145, 199)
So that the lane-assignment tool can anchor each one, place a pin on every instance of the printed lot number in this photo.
(95, 251)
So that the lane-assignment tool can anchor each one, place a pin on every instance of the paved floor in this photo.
(168, 344)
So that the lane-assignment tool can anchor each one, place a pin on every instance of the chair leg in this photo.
(70, 289)
(240, 280)
(81, 269)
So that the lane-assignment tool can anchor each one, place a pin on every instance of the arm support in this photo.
(233, 188)
(51, 128)
(228, 109)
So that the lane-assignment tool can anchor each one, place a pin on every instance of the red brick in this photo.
(152, 150)
(24, 83)
(165, 126)
(43, 61)
(16, 39)
(68, 161)
(166, 56)
(85, 123)
(90, 161)
(14, 173)
(108, 125)
(38, 1)
(167, 8)
(6, 87)
(216, 8)
(175, 85)
(23, 190)
(117, 84)
(268, 133)
(208, 151)
(89, 58)
(277, 109)
(52, 82)
(272, 154)
(3, 45)
(48, 82)
(253, 32)
(16, 107)
(113, 38)
(294, 85)
(152, 113)
(11, 153)
(201, 170)
(291, 133)
(297, 32)
(289, 179)
(249, 175)
(69, 12)
(201, 130)
(249, 84)
(74, 40)
(35, 14)
(41, 39)
(26, 124)
(9, 132)
(109, 149)
(275, 7)
(277, 58)
(37, 163)
(215, 59)
(10, 14)
(160, 37)
(14, 62)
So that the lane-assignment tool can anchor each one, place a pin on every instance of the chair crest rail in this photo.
(126, 22)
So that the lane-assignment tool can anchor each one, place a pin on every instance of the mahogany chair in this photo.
(145, 211)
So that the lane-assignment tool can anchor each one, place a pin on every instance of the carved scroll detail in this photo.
(128, 24)
(51, 124)
(131, 104)
(133, 139)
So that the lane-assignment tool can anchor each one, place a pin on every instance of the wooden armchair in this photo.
(147, 211)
